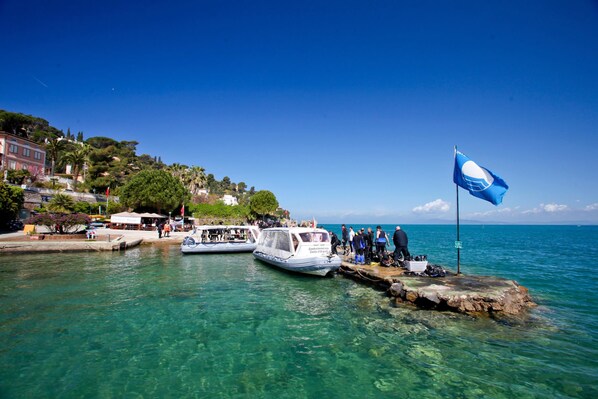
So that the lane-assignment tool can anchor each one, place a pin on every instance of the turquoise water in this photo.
(154, 324)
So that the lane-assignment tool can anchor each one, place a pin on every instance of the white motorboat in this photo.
(221, 239)
(297, 249)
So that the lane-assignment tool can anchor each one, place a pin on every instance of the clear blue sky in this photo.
(348, 111)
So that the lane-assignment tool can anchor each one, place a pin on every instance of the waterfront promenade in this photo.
(107, 240)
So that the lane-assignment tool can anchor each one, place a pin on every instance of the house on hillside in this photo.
(18, 153)
(229, 200)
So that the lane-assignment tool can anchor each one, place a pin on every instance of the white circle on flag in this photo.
(473, 170)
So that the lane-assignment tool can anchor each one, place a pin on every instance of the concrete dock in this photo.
(107, 240)
(66, 246)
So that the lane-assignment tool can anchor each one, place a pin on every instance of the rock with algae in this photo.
(473, 295)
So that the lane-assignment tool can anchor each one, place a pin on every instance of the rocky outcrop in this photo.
(464, 294)
(473, 295)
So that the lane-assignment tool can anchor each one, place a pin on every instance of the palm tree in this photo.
(77, 158)
(177, 170)
(193, 178)
(61, 203)
(196, 179)
(53, 147)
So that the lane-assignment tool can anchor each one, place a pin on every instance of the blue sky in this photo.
(348, 110)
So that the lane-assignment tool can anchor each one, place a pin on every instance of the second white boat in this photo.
(221, 239)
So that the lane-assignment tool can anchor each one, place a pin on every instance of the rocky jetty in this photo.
(469, 294)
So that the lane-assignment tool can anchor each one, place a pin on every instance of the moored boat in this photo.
(221, 239)
(297, 249)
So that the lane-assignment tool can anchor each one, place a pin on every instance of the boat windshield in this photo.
(314, 237)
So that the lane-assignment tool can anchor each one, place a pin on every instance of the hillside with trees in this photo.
(97, 163)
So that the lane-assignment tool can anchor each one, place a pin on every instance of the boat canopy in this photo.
(277, 241)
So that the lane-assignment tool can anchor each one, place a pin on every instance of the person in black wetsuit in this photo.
(334, 242)
(367, 252)
(369, 243)
(401, 242)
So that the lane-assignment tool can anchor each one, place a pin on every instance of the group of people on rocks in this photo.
(366, 245)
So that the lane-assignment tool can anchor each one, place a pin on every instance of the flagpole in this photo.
(458, 242)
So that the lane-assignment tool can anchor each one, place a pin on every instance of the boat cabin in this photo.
(298, 241)
(214, 234)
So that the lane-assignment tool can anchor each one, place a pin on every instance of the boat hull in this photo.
(316, 265)
(218, 247)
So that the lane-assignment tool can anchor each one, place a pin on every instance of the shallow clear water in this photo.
(153, 323)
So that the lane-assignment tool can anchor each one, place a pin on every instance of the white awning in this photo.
(126, 218)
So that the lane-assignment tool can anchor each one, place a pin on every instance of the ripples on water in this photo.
(153, 323)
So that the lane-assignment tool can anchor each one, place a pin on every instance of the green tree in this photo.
(61, 203)
(83, 207)
(212, 184)
(15, 123)
(101, 142)
(33, 128)
(17, 176)
(226, 183)
(219, 210)
(115, 207)
(11, 202)
(154, 189)
(263, 203)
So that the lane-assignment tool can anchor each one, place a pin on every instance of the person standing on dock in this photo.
(401, 242)
(381, 241)
(345, 237)
(159, 227)
(351, 237)
(334, 242)
(359, 245)
(369, 245)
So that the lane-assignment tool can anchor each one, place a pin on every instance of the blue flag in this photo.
(479, 181)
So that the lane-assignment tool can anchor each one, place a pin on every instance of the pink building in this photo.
(17, 153)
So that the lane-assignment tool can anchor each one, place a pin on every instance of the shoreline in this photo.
(107, 240)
